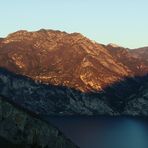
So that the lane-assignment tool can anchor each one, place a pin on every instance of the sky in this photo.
(123, 22)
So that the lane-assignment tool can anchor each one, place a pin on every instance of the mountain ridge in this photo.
(60, 58)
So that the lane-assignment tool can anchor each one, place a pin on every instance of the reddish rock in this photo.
(71, 60)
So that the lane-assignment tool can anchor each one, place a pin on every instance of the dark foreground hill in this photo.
(21, 129)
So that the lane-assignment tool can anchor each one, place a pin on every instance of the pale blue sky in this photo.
(124, 22)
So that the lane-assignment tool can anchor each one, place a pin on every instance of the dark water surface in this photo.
(104, 132)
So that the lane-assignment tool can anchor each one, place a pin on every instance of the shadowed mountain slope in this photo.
(21, 129)
(44, 100)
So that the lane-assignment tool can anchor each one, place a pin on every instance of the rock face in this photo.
(133, 59)
(70, 60)
(138, 104)
(23, 130)
(46, 100)
(141, 53)
(83, 77)
(60, 58)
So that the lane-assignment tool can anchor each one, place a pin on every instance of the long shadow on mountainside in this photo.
(42, 99)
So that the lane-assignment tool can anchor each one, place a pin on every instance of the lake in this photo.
(104, 132)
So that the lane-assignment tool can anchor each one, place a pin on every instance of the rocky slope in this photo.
(133, 59)
(70, 60)
(138, 104)
(21, 129)
(60, 58)
(45, 100)
(83, 77)
(141, 53)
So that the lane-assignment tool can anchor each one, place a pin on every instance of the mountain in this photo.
(71, 60)
(138, 104)
(51, 72)
(130, 58)
(141, 53)
(46, 100)
(74, 62)
(59, 58)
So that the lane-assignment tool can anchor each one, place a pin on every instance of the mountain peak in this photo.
(20, 32)
(50, 31)
(76, 34)
(113, 45)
